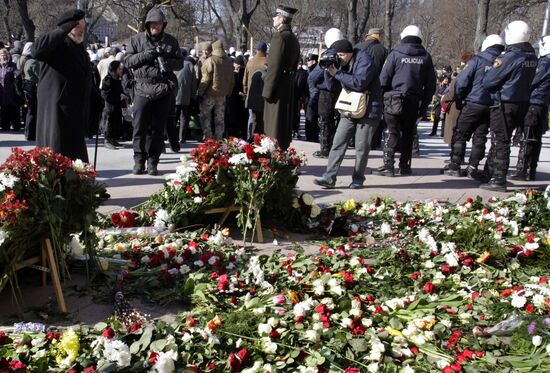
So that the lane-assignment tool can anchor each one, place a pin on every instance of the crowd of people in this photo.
(360, 95)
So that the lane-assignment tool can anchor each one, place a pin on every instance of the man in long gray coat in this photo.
(278, 91)
(65, 90)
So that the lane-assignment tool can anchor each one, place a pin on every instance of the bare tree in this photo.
(357, 23)
(388, 18)
(28, 24)
(481, 25)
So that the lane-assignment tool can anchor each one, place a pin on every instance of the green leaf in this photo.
(100, 326)
(188, 287)
(359, 344)
(396, 324)
(158, 345)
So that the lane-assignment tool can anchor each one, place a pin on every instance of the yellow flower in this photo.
(119, 247)
(349, 205)
(214, 324)
(546, 240)
(293, 296)
(483, 258)
(225, 232)
(69, 345)
(393, 331)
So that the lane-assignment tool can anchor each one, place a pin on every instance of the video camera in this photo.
(329, 58)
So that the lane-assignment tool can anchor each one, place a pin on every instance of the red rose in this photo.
(234, 363)
(529, 308)
(153, 358)
(90, 369)
(321, 308)
(135, 327)
(115, 220)
(352, 370)
(223, 282)
(14, 365)
(505, 293)
(456, 367)
(415, 275)
(244, 356)
(543, 280)
(428, 288)
(448, 369)
(446, 268)
(108, 333)
(4, 339)
(414, 350)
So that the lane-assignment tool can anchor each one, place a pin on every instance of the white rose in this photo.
(295, 203)
(264, 329)
(518, 301)
(385, 228)
(165, 362)
(373, 368)
(548, 349)
(313, 336)
(307, 199)
(537, 340)
(315, 211)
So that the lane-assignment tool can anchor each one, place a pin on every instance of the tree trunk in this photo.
(352, 21)
(362, 25)
(388, 18)
(28, 24)
(481, 26)
(6, 20)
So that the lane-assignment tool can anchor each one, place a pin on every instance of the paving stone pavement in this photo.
(115, 170)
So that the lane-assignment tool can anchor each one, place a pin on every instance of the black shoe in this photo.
(116, 143)
(110, 145)
(432, 134)
(324, 183)
(519, 176)
(494, 185)
(319, 154)
(382, 171)
(452, 172)
(175, 149)
(139, 169)
(356, 185)
(405, 172)
(152, 170)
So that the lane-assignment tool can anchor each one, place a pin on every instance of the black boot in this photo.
(496, 184)
(152, 168)
(473, 173)
(453, 169)
(387, 169)
(521, 166)
(139, 169)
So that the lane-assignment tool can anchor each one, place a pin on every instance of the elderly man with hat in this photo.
(373, 46)
(65, 89)
(153, 55)
(278, 88)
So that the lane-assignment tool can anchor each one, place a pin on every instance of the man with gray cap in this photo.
(278, 90)
(153, 55)
(65, 89)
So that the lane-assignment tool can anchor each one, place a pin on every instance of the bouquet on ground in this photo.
(230, 172)
(44, 195)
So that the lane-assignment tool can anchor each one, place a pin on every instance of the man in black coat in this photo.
(65, 90)
(374, 48)
(153, 55)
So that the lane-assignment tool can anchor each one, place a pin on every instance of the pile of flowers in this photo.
(229, 172)
(44, 195)
(405, 290)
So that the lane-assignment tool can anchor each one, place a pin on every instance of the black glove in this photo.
(150, 54)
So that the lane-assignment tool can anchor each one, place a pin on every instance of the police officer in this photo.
(510, 79)
(278, 90)
(153, 55)
(476, 101)
(536, 119)
(408, 80)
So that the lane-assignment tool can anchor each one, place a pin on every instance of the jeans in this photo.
(255, 123)
(348, 128)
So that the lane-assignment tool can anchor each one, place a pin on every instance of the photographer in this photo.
(357, 73)
(153, 55)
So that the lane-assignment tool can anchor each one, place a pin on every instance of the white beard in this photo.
(77, 39)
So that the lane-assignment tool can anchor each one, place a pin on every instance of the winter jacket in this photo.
(217, 74)
(512, 74)
(409, 70)
(187, 82)
(111, 86)
(469, 83)
(540, 88)
(252, 66)
(8, 95)
(254, 99)
(376, 51)
(142, 57)
(360, 75)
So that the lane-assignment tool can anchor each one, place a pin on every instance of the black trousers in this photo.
(503, 120)
(535, 124)
(9, 116)
(473, 120)
(401, 130)
(182, 114)
(171, 125)
(30, 120)
(327, 120)
(150, 117)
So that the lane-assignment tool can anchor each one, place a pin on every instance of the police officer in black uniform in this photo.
(476, 101)
(408, 80)
(510, 79)
(536, 119)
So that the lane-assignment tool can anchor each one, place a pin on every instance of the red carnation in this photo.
(153, 358)
(223, 282)
(352, 370)
(415, 275)
(90, 369)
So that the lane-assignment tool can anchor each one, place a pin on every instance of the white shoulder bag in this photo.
(352, 104)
